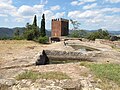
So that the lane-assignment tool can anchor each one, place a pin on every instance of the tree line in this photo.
(98, 34)
(33, 32)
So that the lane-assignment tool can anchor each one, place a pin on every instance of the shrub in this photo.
(43, 40)
(29, 35)
(18, 38)
(99, 34)
(79, 34)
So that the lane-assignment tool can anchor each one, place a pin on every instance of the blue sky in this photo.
(92, 14)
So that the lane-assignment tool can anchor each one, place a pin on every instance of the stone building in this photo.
(60, 27)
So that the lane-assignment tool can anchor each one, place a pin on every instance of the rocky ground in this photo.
(19, 56)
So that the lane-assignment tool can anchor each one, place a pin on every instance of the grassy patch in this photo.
(45, 75)
(105, 71)
(28, 75)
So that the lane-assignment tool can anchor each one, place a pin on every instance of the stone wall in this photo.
(65, 55)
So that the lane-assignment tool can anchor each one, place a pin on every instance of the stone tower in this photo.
(60, 27)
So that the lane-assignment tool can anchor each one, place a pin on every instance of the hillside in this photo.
(9, 32)
(6, 32)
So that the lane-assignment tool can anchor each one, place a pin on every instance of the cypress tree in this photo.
(35, 21)
(42, 29)
(35, 28)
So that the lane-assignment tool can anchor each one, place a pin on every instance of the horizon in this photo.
(69, 29)
(92, 14)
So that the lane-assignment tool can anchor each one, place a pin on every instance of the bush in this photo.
(6, 38)
(43, 40)
(99, 34)
(79, 34)
(18, 38)
(29, 35)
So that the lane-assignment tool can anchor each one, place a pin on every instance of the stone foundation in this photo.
(65, 55)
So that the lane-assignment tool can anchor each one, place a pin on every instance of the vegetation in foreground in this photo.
(45, 75)
(105, 72)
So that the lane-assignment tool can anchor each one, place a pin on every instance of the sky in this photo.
(92, 14)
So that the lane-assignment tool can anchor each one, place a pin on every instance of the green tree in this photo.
(75, 24)
(32, 31)
(79, 34)
(17, 32)
(42, 29)
(35, 21)
(35, 27)
(18, 35)
(99, 34)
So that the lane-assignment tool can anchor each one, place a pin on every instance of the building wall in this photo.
(64, 28)
(60, 27)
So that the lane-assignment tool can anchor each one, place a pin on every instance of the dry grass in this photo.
(16, 44)
(12, 48)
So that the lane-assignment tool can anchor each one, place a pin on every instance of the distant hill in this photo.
(114, 32)
(6, 32)
(110, 32)
(9, 32)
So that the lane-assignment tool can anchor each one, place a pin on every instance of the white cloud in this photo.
(98, 18)
(113, 1)
(48, 14)
(43, 2)
(3, 15)
(6, 1)
(80, 2)
(20, 13)
(89, 0)
(57, 7)
(30, 11)
(92, 13)
(38, 7)
(19, 20)
(76, 3)
(59, 15)
(86, 14)
(111, 10)
(90, 6)
(26, 10)
(6, 7)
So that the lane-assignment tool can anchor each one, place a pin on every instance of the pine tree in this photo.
(42, 29)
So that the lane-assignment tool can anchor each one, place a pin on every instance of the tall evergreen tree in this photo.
(35, 28)
(42, 29)
(35, 21)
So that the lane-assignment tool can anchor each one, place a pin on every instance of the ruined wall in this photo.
(67, 55)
